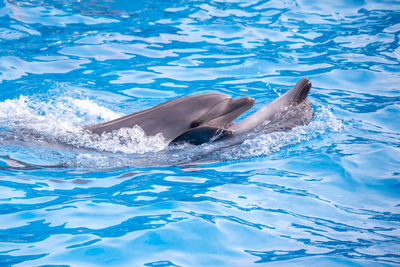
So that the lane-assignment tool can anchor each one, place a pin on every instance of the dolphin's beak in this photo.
(301, 90)
(227, 111)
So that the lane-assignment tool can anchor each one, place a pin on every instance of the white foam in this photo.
(61, 121)
(260, 144)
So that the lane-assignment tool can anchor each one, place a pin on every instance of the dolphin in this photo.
(286, 112)
(201, 118)
(178, 116)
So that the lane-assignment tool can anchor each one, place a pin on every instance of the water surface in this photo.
(324, 194)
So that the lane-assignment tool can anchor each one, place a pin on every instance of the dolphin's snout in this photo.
(243, 102)
(227, 111)
(301, 90)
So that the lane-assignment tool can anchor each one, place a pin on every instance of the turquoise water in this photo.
(324, 194)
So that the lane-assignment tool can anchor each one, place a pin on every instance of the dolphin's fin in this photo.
(201, 135)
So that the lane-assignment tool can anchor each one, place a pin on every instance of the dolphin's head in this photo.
(206, 116)
(183, 114)
(210, 109)
(180, 115)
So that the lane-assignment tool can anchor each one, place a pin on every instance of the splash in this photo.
(59, 123)
(262, 144)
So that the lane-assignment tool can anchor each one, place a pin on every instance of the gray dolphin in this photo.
(175, 117)
(286, 112)
(202, 118)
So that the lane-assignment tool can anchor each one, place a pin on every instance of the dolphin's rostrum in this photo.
(201, 118)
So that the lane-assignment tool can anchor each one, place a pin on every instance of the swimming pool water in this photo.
(324, 194)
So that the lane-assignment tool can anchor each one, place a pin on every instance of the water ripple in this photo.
(322, 194)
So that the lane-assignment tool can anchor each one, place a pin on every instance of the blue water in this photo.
(324, 194)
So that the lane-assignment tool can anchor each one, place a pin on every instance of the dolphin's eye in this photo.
(194, 124)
